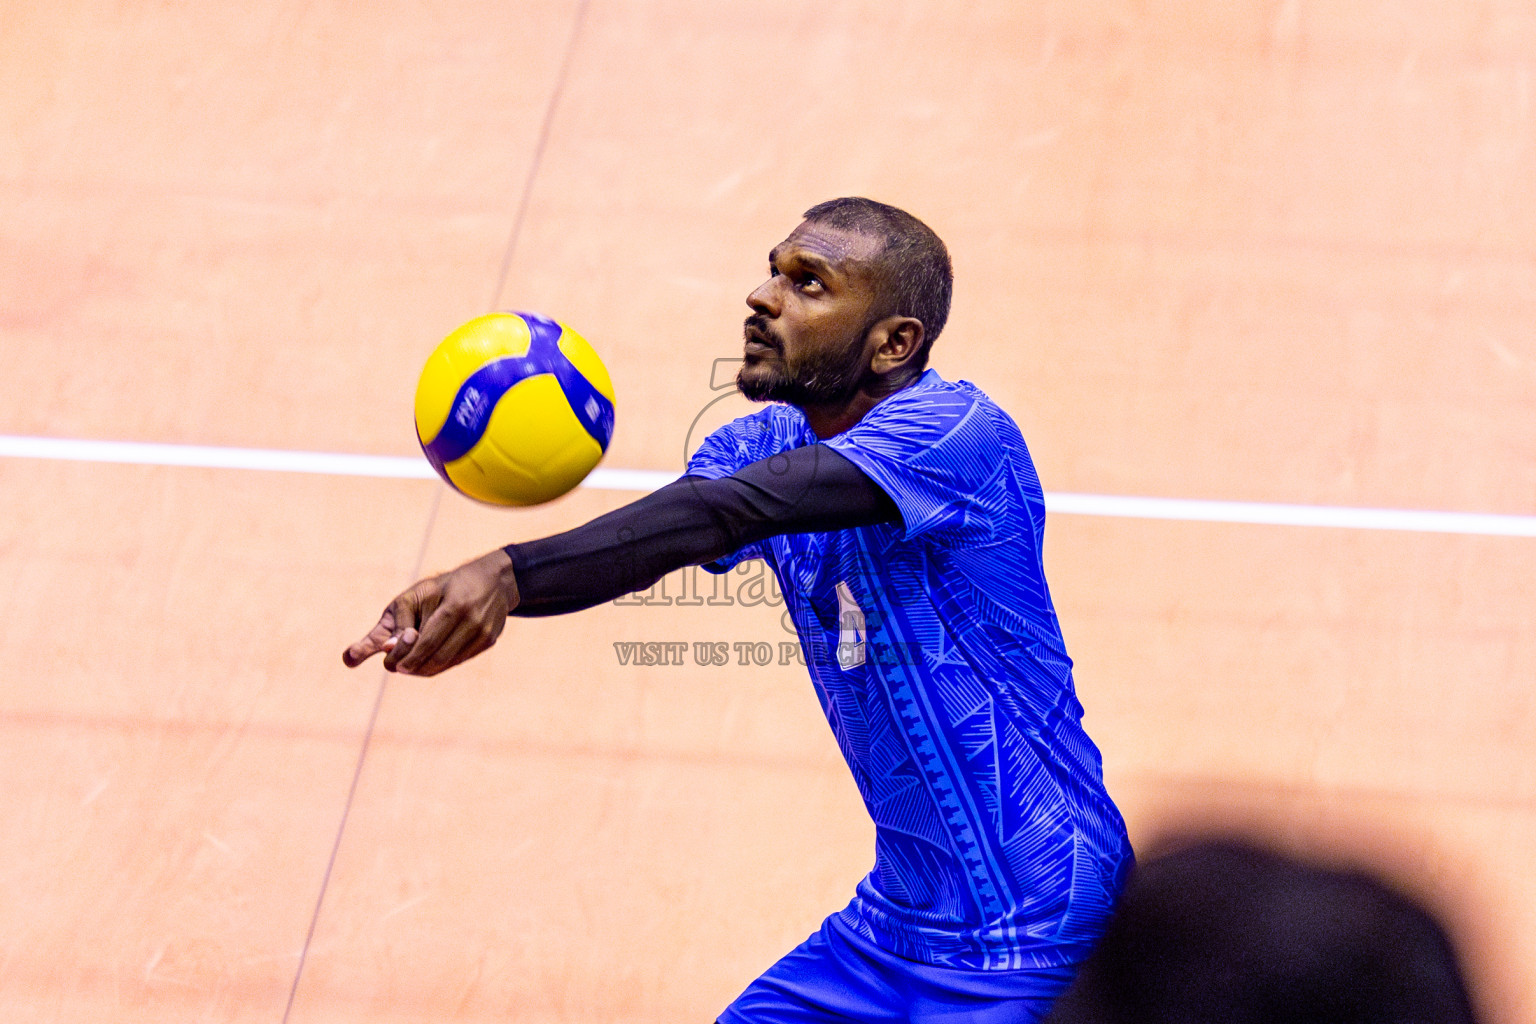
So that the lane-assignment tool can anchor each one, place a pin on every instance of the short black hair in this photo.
(914, 275)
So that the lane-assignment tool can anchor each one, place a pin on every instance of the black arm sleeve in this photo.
(692, 521)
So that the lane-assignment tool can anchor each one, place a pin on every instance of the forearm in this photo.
(690, 522)
(626, 550)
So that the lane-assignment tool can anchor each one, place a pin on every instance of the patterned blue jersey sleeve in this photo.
(937, 452)
(739, 443)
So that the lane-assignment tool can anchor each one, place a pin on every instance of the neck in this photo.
(832, 419)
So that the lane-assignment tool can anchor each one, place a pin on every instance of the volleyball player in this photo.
(903, 517)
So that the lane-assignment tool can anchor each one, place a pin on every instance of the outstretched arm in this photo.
(448, 619)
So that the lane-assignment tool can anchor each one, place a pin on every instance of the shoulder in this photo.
(946, 454)
(932, 410)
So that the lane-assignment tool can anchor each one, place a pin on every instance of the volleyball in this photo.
(514, 409)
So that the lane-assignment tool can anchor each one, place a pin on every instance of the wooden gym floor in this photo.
(1275, 252)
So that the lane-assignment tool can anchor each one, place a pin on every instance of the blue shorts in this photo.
(839, 977)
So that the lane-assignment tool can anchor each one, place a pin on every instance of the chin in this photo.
(758, 381)
(758, 387)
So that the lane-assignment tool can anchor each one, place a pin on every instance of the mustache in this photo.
(757, 328)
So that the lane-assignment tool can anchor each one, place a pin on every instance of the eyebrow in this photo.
(810, 260)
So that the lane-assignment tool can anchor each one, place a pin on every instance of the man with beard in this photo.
(903, 518)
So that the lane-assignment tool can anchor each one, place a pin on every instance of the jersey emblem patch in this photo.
(850, 629)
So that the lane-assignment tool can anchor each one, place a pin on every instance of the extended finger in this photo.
(375, 641)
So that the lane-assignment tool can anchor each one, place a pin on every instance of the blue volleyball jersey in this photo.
(937, 657)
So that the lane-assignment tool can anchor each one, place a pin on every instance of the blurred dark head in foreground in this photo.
(1228, 933)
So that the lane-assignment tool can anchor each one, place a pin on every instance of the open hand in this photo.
(442, 621)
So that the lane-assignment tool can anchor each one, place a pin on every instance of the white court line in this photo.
(279, 461)
(1126, 506)
(1195, 510)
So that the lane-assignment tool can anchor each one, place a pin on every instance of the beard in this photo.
(826, 378)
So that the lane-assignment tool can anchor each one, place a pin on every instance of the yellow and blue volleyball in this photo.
(514, 409)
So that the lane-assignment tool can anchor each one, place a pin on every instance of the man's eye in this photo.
(810, 281)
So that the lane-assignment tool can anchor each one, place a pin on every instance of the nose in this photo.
(764, 299)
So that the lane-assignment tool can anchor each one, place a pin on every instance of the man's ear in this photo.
(896, 342)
